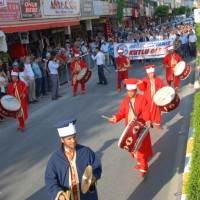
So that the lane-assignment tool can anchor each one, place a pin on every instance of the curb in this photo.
(188, 157)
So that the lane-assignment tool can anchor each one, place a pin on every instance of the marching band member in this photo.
(136, 106)
(150, 85)
(123, 63)
(66, 166)
(169, 63)
(76, 66)
(19, 90)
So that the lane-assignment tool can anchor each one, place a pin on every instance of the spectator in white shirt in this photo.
(53, 66)
(30, 77)
(172, 35)
(21, 74)
(104, 49)
(100, 61)
(192, 43)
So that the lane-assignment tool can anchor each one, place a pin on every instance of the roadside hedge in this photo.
(193, 184)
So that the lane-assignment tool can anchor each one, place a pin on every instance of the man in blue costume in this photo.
(66, 167)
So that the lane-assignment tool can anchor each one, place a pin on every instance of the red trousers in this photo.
(76, 87)
(21, 122)
(121, 76)
(141, 161)
(176, 81)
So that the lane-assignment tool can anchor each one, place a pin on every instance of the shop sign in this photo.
(113, 8)
(108, 28)
(103, 20)
(11, 12)
(3, 3)
(98, 7)
(128, 12)
(30, 9)
(106, 8)
(135, 12)
(144, 50)
(101, 8)
(86, 8)
(61, 8)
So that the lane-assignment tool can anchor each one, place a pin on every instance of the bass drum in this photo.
(166, 99)
(182, 69)
(10, 103)
(133, 135)
(84, 75)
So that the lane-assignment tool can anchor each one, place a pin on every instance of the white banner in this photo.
(3, 3)
(143, 50)
(60, 8)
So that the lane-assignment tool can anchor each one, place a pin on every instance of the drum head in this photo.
(10, 103)
(81, 74)
(179, 68)
(164, 96)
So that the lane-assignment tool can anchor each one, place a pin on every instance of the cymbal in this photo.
(86, 179)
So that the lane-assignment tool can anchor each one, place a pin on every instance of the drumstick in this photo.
(105, 117)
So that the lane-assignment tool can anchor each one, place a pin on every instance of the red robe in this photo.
(16, 91)
(149, 92)
(75, 69)
(170, 70)
(122, 68)
(141, 110)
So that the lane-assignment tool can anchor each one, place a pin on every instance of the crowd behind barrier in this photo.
(34, 69)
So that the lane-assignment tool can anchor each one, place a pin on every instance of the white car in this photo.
(189, 21)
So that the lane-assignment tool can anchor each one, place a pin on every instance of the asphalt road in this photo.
(23, 156)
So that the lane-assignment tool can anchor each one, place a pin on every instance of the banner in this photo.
(11, 12)
(60, 8)
(3, 3)
(143, 50)
(86, 8)
(30, 9)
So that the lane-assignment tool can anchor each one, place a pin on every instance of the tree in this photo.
(120, 13)
(175, 11)
(162, 11)
(182, 10)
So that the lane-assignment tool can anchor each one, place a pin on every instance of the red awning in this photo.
(30, 25)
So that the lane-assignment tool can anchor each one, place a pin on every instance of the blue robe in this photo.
(57, 171)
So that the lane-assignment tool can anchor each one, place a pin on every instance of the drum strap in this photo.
(132, 109)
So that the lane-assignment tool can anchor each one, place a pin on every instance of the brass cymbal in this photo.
(86, 179)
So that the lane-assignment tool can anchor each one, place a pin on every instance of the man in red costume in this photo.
(19, 90)
(169, 63)
(123, 63)
(76, 66)
(140, 111)
(150, 85)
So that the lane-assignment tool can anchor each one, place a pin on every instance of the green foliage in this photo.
(182, 10)
(188, 10)
(193, 184)
(175, 11)
(198, 34)
(120, 7)
(162, 11)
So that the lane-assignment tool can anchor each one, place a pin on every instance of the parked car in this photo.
(189, 21)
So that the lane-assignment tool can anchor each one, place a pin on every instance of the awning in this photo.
(30, 25)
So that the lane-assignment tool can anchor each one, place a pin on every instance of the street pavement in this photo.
(23, 156)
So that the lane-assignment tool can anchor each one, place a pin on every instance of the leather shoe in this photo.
(100, 83)
(35, 100)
